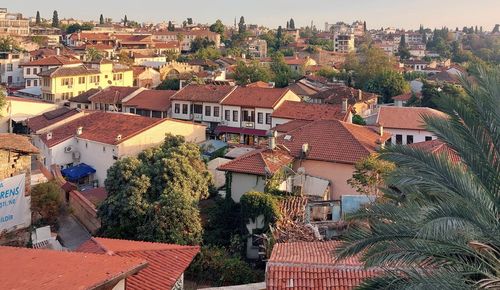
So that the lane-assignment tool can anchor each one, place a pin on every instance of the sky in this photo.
(407, 14)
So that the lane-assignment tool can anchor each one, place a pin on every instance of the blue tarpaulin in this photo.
(78, 171)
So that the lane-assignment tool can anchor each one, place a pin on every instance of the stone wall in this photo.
(84, 211)
(12, 164)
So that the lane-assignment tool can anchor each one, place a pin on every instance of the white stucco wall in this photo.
(243, 183)
(418, 135)
(18, 108)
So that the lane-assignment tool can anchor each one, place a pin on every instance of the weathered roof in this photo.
(53, 60)
(259, 161)
(437, 147)
(157, 100)
(65, 71)
(84, 97)
(49, 118)
(309, 111)
(167, 262)
(16, 143)
(112, 94)
(252, 97)
(337, 93)
(48, 269)
(405, 117)
(203, 93)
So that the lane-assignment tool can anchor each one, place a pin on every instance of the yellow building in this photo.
(62, 83)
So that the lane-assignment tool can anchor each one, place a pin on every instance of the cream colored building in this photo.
(13, 24)
(62, 83)
(16, 110)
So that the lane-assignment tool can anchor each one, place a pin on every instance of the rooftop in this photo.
(405, 117)
(64, 71)
(256, 162)
(203, 93)
(167, 262)
(437, 147)
(47, 269)
(311, 265)
(50, 118)
(309, 111)
(16, 143)
(333, 141)
(337, 93)
(156, 100)
(84, 97)
(112, 95)
(53, 60)
(254, 97)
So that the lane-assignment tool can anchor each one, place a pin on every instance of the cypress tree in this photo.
(55, 19)
(101, 20)
(38, 20)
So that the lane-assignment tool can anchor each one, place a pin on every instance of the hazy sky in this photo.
(377, 13)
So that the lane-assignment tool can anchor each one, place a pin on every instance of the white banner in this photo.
(13, 203)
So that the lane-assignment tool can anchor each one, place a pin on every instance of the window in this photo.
(268, 118)
(409, 139)
(81, 80)
(35, 83)
(46, 82)
(28, 71)
(79, 106)
(103, 149)
(28, 83)
(177, 108)
(227, 115)
(66, 81)
(260, 118)
(216, 111)
(94, 79)
(184, 109)
(117, 77)
(35, 71)
(208, 111)
(156, 114)
(399, 139)
(428, 138)
(235, 116)
(132, 110)
(9, 67)
(198, 109)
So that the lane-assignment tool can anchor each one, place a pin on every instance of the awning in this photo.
(78, 171)
(234, 130)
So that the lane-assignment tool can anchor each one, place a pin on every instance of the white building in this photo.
(10, 71)
(32, 68)
(406, 124)
(343, 42)
(100, 138)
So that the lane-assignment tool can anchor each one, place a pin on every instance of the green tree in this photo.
(367, 64)
(93, 54)
(440, 229)
(403, 51)
(218, 27)
(101, 20)
(125, 21)
(9, 44)
(369, 174)
(169, 84)
(55, 19)
(77, 27)
(3, 100)
(279, 37)
(282, 73)
(190, 21)
(38, 20)
(46, 202)
(199, 43)
(154, 196)
(211, 53)
(358, 120)
(242, 28)
(292, 23)
(388, 84)
(124, 58)
(496, 29)
(250, 73)
(170, 26)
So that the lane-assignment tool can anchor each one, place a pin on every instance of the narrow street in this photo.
(71, 233)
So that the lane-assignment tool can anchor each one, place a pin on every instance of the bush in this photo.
(215, 267)
(358, 120)
(169, 84)
(46, 202)
(255, 203)
(224, 225)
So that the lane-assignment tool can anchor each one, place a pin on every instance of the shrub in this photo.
(358, 120)
(46, 202)
(254, 204)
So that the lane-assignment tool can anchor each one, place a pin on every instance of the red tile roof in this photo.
(203, 93)
(64, 71)
(166, 262)
(337, 93)
(289, 126)
(112, 95)
(103, 127)
(156, 100)
(405, 117)
(255, 162)
(49, 118)
(437, 147)
(312, 265)
(406, 97)
(309, 111)
(260, 84)
(255, 97)
(47, 269)
(333, 141)
(16, 143)
(53, 60)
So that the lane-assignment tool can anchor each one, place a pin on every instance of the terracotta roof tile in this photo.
(103, 127)
(112, 95)
(337, 93)
(311, 265)
(437, 147)
(166, 262)
(405, 117)
(157, 100)
(16, 143)
(64, 71)
(333, 141)
(203, 93)
(255, 162)
(406, 97)
(49, 118)
(309, 111)
(47, 269)
(53, 60)
(255, 97)
(84, 97)
(289, 126)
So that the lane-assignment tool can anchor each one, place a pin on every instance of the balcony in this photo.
(197, 117)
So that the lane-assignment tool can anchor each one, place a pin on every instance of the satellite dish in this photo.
(110, 82)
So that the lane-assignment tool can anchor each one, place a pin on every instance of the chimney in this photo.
(305, 149)
(272, 140)
(344, 105)
(118, 137)
(58, 51)
(79, 131)
(360, 94)
(380, 130)
(49, 135)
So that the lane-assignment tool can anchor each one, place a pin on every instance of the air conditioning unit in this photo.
(70, 86)
(76, 156)
(68, 149)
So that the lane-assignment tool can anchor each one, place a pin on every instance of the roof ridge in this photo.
(176, 248)
(347, 125)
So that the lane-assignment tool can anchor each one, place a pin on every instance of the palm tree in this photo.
(93, 54)
(440, 227)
